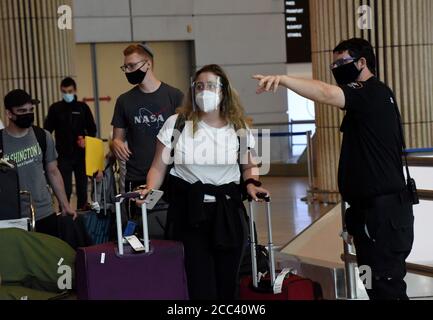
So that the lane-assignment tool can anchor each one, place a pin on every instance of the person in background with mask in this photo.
(71, 120)
(370, 177)
(21, 146)
(140, 113)
(206, 212)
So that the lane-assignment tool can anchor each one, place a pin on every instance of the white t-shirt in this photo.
(1, 125)
(209, 156)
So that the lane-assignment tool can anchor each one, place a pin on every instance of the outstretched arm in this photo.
(317, 91)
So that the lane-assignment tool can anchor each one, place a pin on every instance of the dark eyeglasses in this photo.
(132, 66)
(341, 62)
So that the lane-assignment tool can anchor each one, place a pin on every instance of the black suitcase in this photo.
(10, 207)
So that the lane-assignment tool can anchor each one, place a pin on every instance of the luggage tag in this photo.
(135, 243)
(278, 285)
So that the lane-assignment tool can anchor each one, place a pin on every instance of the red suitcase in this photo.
(285, 286)
(115, 272)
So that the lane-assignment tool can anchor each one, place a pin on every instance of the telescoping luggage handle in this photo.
(32, 223)
(254, 240)
(119, 199)
(103, 195)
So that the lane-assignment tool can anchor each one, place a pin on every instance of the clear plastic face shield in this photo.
(206, 94)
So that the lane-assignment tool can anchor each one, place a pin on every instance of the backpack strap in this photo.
(41, 137)
(179, 126)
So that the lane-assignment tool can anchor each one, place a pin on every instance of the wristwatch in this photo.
(254, 182)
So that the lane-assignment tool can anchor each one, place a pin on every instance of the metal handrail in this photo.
(310, 161)
(295, 122)
(418, 269)
(284, 134)
(425, 194)
(349, 266)
(420, 162)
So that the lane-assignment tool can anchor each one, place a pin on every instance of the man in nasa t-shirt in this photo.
(140, 113)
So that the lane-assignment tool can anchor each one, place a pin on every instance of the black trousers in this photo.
(383, 238)
(48, 225)
(65, 228)
(75, 164)
(212, 273)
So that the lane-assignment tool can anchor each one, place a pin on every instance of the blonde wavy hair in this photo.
(231, 108)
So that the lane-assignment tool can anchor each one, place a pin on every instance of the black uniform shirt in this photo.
(371, 154)
(69, 121)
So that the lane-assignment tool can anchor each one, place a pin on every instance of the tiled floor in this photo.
(290, 215)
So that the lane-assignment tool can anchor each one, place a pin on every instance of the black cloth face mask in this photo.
(24, 121)
(346, 73)
(136, 77)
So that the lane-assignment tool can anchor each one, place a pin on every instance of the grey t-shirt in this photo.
(143, 115)
(27, 154)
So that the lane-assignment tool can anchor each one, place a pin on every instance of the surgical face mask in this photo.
(208, 101)
(68, 97)
(24, 121)
(346, 73)
(136, 77)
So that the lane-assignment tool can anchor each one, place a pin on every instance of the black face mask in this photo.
(346, 73)
(24, 121)
(136, 77)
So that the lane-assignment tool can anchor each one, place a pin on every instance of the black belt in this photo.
(381, 201)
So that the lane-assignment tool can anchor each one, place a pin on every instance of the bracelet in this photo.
(254, 182)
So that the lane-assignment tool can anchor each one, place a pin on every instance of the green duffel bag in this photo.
(34, 265)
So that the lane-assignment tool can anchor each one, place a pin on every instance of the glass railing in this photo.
(288, 139)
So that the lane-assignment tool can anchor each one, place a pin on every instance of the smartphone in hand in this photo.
(153, 197)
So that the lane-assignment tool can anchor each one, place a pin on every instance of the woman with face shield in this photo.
(206, 138)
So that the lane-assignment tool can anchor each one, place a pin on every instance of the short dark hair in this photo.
(359, 48)
(67, 82)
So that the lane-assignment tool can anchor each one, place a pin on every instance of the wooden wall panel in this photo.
(35, 54)
(402, 35)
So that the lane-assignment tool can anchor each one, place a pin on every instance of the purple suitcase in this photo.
(115, 272)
